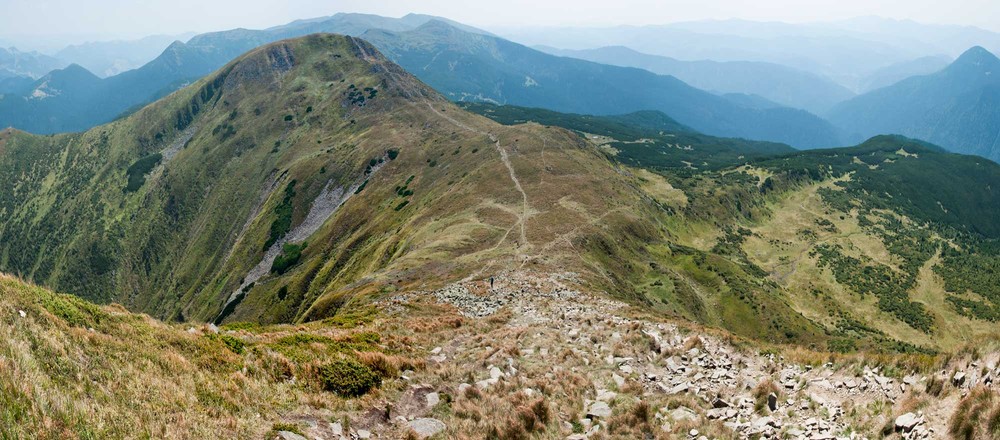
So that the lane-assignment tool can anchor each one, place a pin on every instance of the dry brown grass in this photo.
(761, 391)
(977, 416)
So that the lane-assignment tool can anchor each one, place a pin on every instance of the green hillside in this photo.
(294, 179)
(312, 176)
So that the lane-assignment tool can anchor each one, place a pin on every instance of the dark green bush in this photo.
(283, 213)
(232, 343)
(289, 257)
(348, 378)
(137, 172)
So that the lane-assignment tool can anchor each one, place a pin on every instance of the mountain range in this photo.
(846, 51)
(505, 72)
(312, 172)
(314, 239)
(15, 63)
(957, 107)
(784, 86)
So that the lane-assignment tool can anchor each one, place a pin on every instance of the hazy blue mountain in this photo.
(107, 58)
(472, 67)
(461, 64)
(781, 84)
(32, 64)
(14, 84)
(750, 101)
(895, 73)
(957, 108)
(845, 51)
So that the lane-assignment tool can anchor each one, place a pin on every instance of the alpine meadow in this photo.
(674, 221)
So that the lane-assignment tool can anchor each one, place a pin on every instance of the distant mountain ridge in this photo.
(108, 58)
(490, 69)
(957, 108)
(14, 63)
(846, 51)
(784, 85)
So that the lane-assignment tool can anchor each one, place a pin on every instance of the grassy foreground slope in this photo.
(72, 369)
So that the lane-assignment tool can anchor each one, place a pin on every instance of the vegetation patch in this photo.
(348, 377)
(137, 172)
(289, 257)
(283, 216)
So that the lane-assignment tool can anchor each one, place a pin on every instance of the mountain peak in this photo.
(977, 56)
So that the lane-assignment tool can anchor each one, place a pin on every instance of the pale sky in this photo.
(53, 20)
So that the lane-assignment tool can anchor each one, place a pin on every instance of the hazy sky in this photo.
(47, 20)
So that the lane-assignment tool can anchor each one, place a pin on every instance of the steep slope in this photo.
(473, 67)
(957, 108)
(371, 179)
(784, 85)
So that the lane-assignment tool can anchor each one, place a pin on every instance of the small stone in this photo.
(364, 434)
(682, 413)
(426, 427)
(907, 422)
(338, 430)
(620, 381)
(772, 402)
(959, 378)
(599, 410)
(22, 313)
(436, 350)
(433, 399)
(693, 433)
(288, 435)
(606, 396)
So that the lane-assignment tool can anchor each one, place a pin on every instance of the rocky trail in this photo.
(603, 372)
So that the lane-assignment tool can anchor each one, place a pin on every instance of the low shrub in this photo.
(289, 257)
(348, 378)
